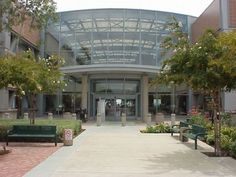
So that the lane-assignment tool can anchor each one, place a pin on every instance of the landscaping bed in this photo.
(228, 132)
(75, 125)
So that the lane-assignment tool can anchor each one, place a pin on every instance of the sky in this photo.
(188, 7)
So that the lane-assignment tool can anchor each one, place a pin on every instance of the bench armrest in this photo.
(187, 130)
(9, 131)
(200, 134)
(176, 125)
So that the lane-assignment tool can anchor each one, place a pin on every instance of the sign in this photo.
(68, 134)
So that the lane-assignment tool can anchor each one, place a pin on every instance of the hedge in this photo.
(6, 124)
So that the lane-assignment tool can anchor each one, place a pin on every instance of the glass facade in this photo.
(110, 36)
(113, 38)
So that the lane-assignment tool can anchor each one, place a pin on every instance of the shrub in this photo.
(61, 124)
(233, 134)
(3, 131)
(226, 138)
(226, 119)
(210, 138)
(163, 128)
(199, 120)
(233, 148)
(160, 128)
(226, 130)
(225, 142)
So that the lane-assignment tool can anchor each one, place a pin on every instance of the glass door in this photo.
(115, 106)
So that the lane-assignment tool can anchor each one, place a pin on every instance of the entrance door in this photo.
(112, 109)
(115, 106)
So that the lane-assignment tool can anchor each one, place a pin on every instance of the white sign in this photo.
(68, 134)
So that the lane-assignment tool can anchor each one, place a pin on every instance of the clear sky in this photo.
(189, 7)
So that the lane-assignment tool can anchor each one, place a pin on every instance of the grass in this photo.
(75, 125)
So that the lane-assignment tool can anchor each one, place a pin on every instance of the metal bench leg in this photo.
(55, 141)
(196, 143)
(7, 140)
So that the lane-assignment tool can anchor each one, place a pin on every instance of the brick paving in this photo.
(23, 157)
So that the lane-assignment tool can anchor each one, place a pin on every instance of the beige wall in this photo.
(209, 19)
(232, 13)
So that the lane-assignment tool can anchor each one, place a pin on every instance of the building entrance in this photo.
(116, 105)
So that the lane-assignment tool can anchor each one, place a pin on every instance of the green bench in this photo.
(195, 132)
(32, 131)
(178, 127)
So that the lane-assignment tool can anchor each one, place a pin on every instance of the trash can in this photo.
(68, 137)
(83, 115)
(181, 137)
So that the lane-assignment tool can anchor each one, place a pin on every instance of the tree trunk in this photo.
(31, 97)
(217, 121)
(19, 106)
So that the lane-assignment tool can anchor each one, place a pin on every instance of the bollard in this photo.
(50, 115)
(67, 115)
(26, 115)
(73, 116)
(149, 119)
(68, 137)
(123, 119)
(6, 115)
(159, 118)
(99, 119)
(172, 118)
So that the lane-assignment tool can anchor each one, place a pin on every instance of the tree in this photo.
(31, 76)
(15, 12)
(208, 66)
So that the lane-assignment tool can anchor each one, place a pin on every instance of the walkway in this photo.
(115, 151)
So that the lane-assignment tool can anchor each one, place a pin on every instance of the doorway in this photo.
(116, 105)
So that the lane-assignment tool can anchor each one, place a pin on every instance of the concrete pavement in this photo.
(115, 151)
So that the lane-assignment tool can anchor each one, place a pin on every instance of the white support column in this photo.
(145, 97)
(173, 98)
(84, 91)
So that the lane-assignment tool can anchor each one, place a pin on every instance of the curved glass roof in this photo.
(110, 36)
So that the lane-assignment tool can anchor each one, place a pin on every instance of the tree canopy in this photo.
(28, 75)
(208, 66)
(15, 12)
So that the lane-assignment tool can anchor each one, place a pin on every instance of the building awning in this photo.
(109, 68)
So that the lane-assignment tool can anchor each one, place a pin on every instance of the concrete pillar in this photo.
(172, 118)
(159, 118)
(4, 103)
(26, 115)
(190, 100)
(149, 119)
(6, 115)
(50, 115)
(73, 116)
(40, 105)
(84, 91)
(6, 36)
(172, 98)
(145, 97)
(99, 119)
(123, 119)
